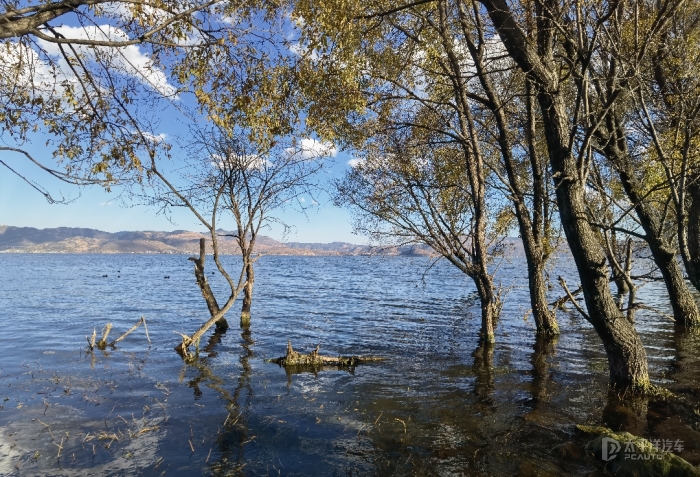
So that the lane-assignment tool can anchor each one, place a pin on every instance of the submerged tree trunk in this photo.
(531, 227)
(490, 307)
(221, 323)
(545, 319)
(626, 356)
(685, 310)
(247, 294)
(692, 262)
(476, 178)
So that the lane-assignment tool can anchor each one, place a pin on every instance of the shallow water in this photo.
(439, 405)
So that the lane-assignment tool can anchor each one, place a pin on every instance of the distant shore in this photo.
(182, 242)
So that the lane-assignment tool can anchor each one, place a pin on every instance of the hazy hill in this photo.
(80, 240)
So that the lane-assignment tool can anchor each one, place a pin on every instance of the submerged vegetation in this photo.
(575, 125)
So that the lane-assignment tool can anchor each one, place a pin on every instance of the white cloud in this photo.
(47, 78)
(302, 199)
(354, 162)
(250, 162)
(156, 138)
(109, 202)
(22, 65)
(313, 149)
(129, 60)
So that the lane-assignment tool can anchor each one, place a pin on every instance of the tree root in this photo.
(313, 359)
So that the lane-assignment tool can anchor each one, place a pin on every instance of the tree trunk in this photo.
(247, 294)
(626, 356)
(530, 230)
(545, 320)
(221, 324)
(474, 161)
(692, 264)
(489, 307)
(685, 310)
(543, 349)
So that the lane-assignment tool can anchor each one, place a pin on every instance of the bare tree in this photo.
(226, 178)
(257, 185)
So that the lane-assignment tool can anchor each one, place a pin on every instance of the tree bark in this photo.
(247, 293)
(490, 307)
(207, 294)
(545, 319)
(626, 356)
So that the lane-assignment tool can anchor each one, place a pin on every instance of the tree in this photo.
(554, 38)
(416, 186)
(227, 177)
(518, 143)
(424, 175)
(424, 68)
(666, 115)
(257, 184)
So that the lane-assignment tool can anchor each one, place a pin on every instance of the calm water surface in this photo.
(439, 405)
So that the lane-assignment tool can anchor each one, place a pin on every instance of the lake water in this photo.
(439, 404)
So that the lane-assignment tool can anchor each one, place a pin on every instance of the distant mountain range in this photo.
(80, 240)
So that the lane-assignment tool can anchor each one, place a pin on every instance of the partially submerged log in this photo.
(183, 348)
(313, 359)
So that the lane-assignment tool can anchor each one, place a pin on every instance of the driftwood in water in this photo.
(182, 348)
(102, 344)
(293, 358)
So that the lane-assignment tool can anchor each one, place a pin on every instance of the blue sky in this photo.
(93, 207)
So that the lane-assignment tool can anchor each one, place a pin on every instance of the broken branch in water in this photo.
(293, 358)
(91, 341)
(138, 323)
(102, 344)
